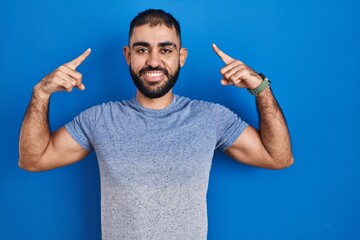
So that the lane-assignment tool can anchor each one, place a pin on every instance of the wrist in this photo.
(264, 84)
(256, 83)
(39, 94)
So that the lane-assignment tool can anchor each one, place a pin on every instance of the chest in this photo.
(155, 151)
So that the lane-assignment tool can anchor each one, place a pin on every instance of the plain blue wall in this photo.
(309, 49)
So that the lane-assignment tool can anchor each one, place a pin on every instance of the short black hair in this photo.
(154, 17)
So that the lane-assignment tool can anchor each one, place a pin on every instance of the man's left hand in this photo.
(236, 72)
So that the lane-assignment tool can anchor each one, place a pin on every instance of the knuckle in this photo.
(68, 85)
(79, 75)
(228, 75)
(61, 68)
(57, 72)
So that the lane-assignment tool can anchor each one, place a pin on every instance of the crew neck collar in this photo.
(156, 112)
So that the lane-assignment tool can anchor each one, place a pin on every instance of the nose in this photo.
(153, 59)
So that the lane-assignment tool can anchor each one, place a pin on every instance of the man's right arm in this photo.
(39, 149)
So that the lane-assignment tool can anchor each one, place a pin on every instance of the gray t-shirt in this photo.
(155, 164)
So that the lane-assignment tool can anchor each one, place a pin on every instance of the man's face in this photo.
(154, 57)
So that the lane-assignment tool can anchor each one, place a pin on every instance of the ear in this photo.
(127, 54)
(183, 56)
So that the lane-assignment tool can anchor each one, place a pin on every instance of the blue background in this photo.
(309, 49)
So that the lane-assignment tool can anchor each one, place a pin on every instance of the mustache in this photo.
(146, 69)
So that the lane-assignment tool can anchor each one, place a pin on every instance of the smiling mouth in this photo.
(153, 76)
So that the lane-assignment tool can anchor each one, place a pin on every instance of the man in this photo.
(155, 150)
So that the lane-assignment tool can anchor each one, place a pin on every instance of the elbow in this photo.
(283, 163)
(28, 167)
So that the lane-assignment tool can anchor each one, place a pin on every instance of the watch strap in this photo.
(256, 91)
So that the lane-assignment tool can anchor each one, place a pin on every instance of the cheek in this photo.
(173, 64)
(136, 63)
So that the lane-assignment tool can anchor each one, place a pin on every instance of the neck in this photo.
(155, 103)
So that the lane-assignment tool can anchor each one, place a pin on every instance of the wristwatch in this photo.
(256, 91)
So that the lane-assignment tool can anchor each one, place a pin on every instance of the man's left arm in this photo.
(270, 147)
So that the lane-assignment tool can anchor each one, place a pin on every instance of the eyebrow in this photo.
(167, 44)
(162, 44)
(145, 44)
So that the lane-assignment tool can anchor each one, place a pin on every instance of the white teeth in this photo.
(154, 74)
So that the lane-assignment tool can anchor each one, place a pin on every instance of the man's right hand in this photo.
(39, 149)
(64, 78)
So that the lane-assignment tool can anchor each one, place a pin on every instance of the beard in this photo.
(157, 89)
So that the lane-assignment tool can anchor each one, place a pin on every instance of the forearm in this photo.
(35, 133)
(273, 129)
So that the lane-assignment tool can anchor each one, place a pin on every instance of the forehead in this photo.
(154, 34)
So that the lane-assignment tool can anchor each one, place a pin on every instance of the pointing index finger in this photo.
(77, 61)
(226, 58)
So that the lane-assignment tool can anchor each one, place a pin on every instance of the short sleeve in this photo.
(229, 127)
(81, 128)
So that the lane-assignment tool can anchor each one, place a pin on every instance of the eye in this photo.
(166, 50)
(142, 50)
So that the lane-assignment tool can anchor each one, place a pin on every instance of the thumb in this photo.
(81, 87)
(225, 82)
